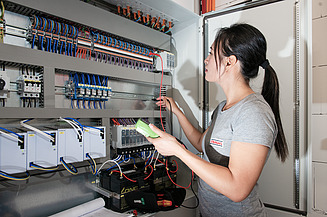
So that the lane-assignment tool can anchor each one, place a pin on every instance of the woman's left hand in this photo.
(166, 144)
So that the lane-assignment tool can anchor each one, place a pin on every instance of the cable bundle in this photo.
(53, 36)
(145, 19)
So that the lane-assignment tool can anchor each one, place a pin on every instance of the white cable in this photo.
(129, 158)
(93, 129)
(155, 162)
(13, 137)
(72, 124)
(150, 152)
(75, 126)
(117, 158)
(121, 172)
(36, 130)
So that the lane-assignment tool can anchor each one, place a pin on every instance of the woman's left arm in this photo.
(235, 181)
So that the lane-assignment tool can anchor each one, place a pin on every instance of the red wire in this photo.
(189, 185)
(149, 173)
(116, 171)
(176, 167)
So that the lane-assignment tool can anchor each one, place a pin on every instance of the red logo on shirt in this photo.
(216, 142)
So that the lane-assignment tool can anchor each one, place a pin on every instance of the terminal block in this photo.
(88, 88)
(127, 140)
(168, 62)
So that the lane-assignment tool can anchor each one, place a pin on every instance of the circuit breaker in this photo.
(41, 151)
(13, 153)
(29, 86)
(70, 145)
(94, 142)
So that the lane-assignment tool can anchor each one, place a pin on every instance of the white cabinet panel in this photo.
(319, 8)
(319, 42)
(320, 186)
(319, 90)
(319, 138)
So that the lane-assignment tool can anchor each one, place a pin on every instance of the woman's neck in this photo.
(236, 94)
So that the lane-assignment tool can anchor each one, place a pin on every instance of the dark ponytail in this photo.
(270, 91)
(249, 46)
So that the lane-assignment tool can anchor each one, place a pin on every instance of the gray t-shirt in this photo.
(252, 121)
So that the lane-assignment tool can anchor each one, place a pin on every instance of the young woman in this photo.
(243, 128)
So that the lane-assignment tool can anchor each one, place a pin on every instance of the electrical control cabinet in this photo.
(94, 142)
(13, 153)
(70, 146)
(41, 151)
(60, 63)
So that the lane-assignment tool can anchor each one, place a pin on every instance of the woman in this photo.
(243, 128)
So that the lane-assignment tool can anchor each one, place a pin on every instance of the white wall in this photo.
(191, 5)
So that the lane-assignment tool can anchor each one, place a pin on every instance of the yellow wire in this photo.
(69, 170)
(95, 165)
(16, 179)
(2, 10)
(45, 169)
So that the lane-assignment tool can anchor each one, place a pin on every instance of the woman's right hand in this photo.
(167, 102)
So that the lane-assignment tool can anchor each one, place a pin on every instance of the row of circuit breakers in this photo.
(27, 151)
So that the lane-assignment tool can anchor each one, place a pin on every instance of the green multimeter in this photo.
(145, 130)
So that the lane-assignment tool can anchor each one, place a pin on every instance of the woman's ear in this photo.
(231, 61)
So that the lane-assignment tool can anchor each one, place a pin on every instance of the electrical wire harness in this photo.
(85, 43)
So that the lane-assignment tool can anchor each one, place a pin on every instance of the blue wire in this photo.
(63, 162)
(47, 49)
(28, 120)
(106, 40)
(92, 167)
(33, 41)
(65, 48)
(120, 44)
(168, 31)
(115, 42)
(110, 41)
(121, 162)
(9, 131)
(61, 44)
(15, 178)
(146, 164)
(99, 80)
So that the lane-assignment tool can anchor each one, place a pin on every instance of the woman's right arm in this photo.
(193, 135)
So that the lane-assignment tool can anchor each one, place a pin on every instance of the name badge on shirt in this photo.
(217, 143)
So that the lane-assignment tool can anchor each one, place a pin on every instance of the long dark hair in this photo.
(249, 46)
